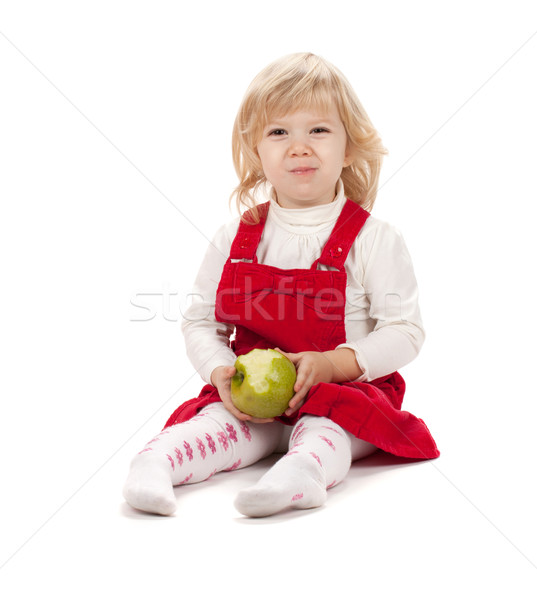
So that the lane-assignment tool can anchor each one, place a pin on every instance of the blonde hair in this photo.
(304, 81)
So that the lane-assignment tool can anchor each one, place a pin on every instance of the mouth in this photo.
(303, 170)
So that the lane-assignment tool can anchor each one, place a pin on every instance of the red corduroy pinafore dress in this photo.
(304, 309)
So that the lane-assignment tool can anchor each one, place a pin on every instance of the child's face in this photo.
(303, 154)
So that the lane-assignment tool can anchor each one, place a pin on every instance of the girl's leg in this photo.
(320, 454)
(193, 451)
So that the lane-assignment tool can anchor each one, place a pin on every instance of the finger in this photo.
(238, 414)
(256, 420)
(301, 379)
(302, 389)
(294, 357)
(228, 403)
(292, 409)
(288, 355)
(295, 400)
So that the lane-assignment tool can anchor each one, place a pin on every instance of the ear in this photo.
(350, 155)
(348, 160)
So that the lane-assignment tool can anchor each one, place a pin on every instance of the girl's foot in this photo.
(295, 481)
(149, 488)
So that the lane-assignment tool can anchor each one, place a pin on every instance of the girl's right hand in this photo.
(221, 380)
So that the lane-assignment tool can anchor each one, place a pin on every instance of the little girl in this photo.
(311, 273)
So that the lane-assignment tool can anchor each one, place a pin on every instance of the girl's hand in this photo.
(221, 379)
(311, 368)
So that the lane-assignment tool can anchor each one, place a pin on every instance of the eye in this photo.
(319, 130)
(277, 132)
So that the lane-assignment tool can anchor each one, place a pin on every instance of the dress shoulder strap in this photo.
(349, 224)
(249, 234)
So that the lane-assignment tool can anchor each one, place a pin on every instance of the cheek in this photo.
(266, 160)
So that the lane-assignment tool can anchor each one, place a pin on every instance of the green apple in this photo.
(263, 383)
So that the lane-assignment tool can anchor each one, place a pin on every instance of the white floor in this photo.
(453, 527)
(112, 180)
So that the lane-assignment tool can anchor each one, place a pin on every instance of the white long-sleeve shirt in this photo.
(382, 317)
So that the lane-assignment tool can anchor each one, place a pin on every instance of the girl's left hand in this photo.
(311, 368)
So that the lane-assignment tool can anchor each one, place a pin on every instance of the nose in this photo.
(298, 147)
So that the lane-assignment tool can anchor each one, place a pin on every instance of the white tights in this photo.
(319, 456)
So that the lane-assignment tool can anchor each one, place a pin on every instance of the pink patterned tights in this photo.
(319, 455)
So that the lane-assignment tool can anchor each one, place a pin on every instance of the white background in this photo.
(115, 169)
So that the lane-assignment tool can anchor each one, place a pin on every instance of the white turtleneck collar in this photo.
(307, 220)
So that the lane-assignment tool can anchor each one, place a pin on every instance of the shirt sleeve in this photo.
(383, 265)
(206, 339)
